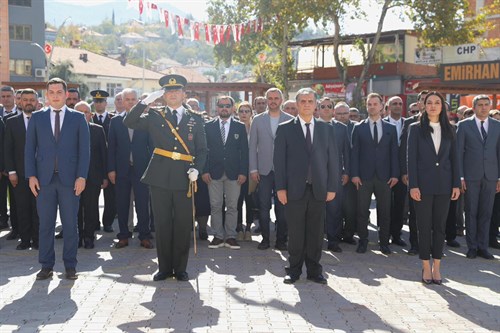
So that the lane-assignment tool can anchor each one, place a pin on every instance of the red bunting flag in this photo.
(165, 15)
(179, 25)
(141, 7)
(196, 31)
(215, 34)
(154, 6)
(207, 32)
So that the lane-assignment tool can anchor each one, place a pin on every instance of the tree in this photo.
(64, 70)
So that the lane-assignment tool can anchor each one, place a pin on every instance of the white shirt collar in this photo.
(303, 122)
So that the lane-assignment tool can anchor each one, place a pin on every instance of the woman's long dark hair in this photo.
(447, 129)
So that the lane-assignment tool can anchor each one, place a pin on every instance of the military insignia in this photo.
(172, 81)
(190, 137)
(236, 136)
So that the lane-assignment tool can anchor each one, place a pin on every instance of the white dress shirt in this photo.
(53, 118)
(478, 124)
(379, 127)
(226, 127)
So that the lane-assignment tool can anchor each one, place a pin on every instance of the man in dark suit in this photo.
(334, 223)
(306, 165)
(398, 195)
(103, 118)
(57, 156)
(478, 140)
(128, 156)
(15, 140)
(9, 109)
(374, 169)
(88, 214)
(414, 111)
(178, 134)
(225, 171)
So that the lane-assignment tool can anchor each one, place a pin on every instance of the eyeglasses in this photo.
(323, 106)
(227, 106)
(244, 111)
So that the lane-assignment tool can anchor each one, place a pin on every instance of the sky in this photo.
(93, 12)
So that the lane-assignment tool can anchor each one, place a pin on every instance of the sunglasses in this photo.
(227, 106)
(244, 111)
(413, 111)
(323, 106)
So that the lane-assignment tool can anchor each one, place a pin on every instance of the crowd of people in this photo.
(316, 161)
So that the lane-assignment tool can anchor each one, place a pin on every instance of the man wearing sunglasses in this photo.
(225, 172)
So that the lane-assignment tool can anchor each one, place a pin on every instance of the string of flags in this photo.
(185, 28)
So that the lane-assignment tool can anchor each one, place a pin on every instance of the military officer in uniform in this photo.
(178, 134)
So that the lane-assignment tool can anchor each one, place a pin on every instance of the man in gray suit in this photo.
(479, 166)
(261, 148)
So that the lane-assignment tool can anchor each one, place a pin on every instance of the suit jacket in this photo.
(343, 146)
(2, 129)
(431, 172)
(291, 160)
(105, 124)
(403, 146)
(98, 155)
(120, 146)
(261, 144)
(14, 143)
(72, 150)
(478, 160)
(369, 159)
(350, 127)
(231, 158)
(163, 171)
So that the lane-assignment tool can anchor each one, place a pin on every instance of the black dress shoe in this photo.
(202, 233)
(88, 243)
(13, 235)
(60, 235)
(44, 274)
(485, 254)
(399, 241)
(263, 245)
(472, 254)
(362, 246)
(413, 251)
(385, 249)
(349, 240)
(34, 245)
(289, 279)
(182, 276)
(23, 246)
(108, 228)
(334, 248)
(71, 274)
(317, 279)
(494, 245)
(281, 246)
(453, 243)
(160, 276)
(98, 227)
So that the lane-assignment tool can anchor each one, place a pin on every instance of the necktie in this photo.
(174, 118)
(57, 131)
(223, 131)
(375, 133)
(309, 150)
(483, 131)
(100, 119)
(57, 124)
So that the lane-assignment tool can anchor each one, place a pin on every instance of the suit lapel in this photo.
(67, 118)
(475, 129)
(299, 133)
(47, 124)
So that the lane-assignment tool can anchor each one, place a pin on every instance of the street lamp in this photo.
(46, 60)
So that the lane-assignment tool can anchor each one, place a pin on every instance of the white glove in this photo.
(153, 97)
(193, 174)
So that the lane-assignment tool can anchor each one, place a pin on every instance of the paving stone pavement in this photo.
(242, 291)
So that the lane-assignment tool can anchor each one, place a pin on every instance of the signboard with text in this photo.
(428, 56)
(477, 72)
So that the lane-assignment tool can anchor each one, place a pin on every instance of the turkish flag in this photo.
(141, 7)
(179, 25)
(165, 14)
(196, 31)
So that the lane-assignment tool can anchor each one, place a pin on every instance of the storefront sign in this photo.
(473, 71)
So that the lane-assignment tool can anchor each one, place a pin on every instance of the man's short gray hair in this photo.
(480, 98)
(341, 105)
(128, 91)
(270, 90)
(83, 103)
(304, 91)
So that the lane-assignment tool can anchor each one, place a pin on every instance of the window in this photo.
(20, 32)
(20, 67)
(111, 88)
(24, 3)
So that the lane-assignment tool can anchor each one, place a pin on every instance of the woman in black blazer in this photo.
(433, 178)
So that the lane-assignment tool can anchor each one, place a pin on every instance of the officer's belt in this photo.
(173, 155)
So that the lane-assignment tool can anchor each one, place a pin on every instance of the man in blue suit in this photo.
(478, 140)
(374, 169)
(57, 157)
(128, 158)
(225, 171)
